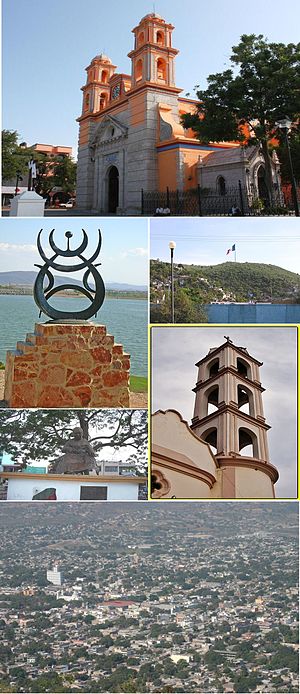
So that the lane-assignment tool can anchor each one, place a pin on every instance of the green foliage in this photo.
(185, 309)
(207, 283)
(64, 174)
(138, 384)
(294, 139)
(14, 158)
(265, 88)
(40, 435)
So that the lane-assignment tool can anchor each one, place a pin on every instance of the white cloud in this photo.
(135, 252)
(20, 248)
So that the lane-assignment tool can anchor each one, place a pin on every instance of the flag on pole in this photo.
(231, 249)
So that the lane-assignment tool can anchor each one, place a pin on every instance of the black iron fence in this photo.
(235, 202)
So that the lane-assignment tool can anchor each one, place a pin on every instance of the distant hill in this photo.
(227, 282)
(23, 278)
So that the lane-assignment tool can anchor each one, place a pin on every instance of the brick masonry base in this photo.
(67, 365)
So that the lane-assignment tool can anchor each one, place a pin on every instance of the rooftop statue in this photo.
(43, 294)
(78, 457)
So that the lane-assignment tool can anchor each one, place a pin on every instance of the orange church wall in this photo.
(137, 109)
(190, 168)
(84, 133)
(167, 168)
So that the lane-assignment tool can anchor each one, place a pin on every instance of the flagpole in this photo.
(235, 253)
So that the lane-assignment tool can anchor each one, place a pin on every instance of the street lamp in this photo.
(285, 124)
(19, 178)
(172, 246)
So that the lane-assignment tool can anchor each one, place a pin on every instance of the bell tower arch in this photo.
(153, 55)
(96, 91)
(229, 415)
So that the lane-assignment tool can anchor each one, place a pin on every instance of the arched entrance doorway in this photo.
(113, 189)
(262, 186)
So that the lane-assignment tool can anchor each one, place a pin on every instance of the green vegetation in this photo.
(138, 384)
(203, 284)
(250, 99)
(60, 174)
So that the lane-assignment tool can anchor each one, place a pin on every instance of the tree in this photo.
(14, 157)
(294, 138)
(64, 175)
(245, 107)
(186, 310)
(40, 435)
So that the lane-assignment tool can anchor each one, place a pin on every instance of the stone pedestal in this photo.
(67, 365)
(28, 204)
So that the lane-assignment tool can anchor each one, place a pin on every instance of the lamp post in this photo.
(19, 178)
(172, 246)
(285, 124)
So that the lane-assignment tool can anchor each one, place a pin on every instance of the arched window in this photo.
(221, 185)
(211, 437)
(213, 367)
(243, 368)
(104, 76)
(248, 445)
(245, 400)
(161, 70)
(139, 70)
(87, 102)
(212, 395)
(102, 101)
(160, 39)
(141, 38)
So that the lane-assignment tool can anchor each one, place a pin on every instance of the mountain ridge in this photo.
(26, 278)
(228, 281)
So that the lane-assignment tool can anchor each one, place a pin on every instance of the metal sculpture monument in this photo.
(43, 294)
(68, 361)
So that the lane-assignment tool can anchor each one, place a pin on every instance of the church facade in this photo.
(131, 138)
(224, 453)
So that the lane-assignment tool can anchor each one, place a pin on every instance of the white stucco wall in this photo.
(252, 484)
(20, 489)
(169, 431)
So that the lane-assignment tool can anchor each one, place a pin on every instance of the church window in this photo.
(161, 70)
(211, 437)
(87, 102)
(139, 70)
(160, 485)
(213, 367)
(212, 395)
(104, 76)
(245, 400)
(243, 368)
(248, 445)
(141, 38)
(160, 39)
(103, 101)
(221, 185)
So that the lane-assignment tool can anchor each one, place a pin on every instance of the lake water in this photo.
(126, 319)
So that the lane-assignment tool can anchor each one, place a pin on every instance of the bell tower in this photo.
(153, 55)
(229, 416)
(96, 91)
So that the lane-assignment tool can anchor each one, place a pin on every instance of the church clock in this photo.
(116, 92)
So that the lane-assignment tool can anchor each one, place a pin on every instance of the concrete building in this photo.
(224, 453)
(131, 137)
(55, 576)
(24, 486)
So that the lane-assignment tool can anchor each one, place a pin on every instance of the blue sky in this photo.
(204, 241)
(46, 47)
(124, 253)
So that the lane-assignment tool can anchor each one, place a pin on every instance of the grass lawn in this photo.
(138, 384)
